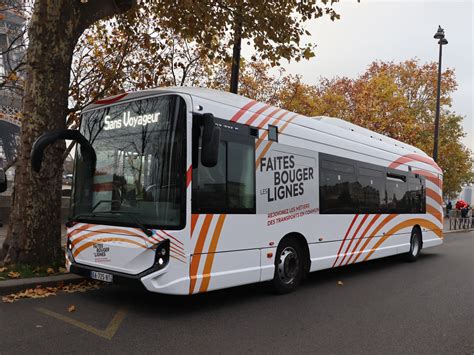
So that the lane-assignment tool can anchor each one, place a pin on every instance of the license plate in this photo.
(102, 276)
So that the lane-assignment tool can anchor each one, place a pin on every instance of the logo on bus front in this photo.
(100, 253)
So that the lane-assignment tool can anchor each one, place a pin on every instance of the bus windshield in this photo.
(140, 170)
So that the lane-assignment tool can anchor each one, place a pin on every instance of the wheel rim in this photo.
(288, 265)
(415, 247)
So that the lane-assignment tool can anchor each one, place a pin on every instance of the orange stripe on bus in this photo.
(260, 140)
(170, 236)
(262, 154)
(287, 123)
(434, 212)
(345, 237)
(256, 114)
(414, 157)
(274, 123)
(405, 224)
(174, 248)
(373, 234)
(104, 240)
(198, 251)
(352, 239)
(210, 256)
(429, 176)
(244, 109)
(83, 228)
(371, 223)
(178, 259)
(194, 219)
(189, 176)
(106, 231)
(280, 130)
(269, 116)
(434, 195)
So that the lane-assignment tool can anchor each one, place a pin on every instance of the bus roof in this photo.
(335, 126)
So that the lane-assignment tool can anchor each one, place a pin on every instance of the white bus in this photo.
(188, 190)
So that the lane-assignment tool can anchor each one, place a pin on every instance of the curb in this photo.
(458, 231)
(10, 286)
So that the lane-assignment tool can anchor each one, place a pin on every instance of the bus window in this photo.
(397, 197)
(228, 187)
(372, 197)
(416, 195)
(339, 189)
(240, 176)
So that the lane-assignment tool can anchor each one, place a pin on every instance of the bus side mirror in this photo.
(210, 141)
(3, 181)
(49, 138)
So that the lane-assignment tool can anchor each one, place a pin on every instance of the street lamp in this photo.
(439, 35)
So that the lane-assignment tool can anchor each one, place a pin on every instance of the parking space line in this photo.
(106, 333)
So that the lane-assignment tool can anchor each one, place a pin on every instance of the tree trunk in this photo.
(234, 74)
(34, 231)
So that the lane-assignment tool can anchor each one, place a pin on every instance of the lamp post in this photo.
(439, 35)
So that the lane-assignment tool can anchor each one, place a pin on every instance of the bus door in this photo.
(223, 245)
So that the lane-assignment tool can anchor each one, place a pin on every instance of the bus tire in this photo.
(289, 266)
(416, 243)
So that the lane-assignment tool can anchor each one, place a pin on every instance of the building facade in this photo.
(12, 52)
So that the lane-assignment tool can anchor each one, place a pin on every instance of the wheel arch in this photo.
(301, 240)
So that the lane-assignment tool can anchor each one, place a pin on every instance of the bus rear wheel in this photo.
(415, 245)
(289, 267)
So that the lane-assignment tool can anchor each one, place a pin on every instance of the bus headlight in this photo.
(162, 253)
(69, 250)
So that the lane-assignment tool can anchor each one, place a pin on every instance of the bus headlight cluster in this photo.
(69, 250)
(162, 253)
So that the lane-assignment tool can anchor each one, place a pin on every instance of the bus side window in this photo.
(228, 187)
(339, 190)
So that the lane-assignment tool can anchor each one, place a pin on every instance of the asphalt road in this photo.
(385, 306)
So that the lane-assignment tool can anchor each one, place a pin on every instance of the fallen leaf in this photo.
(62, 270)
(3, 269)
(340, 283)
(50, 271)
(71, 308)
(14, 275)
(42, 292)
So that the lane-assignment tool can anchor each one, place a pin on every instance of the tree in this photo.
(399, 100)
(132, 51)
(55, 28)
(33, 236)
(395, 99)
(275, 28)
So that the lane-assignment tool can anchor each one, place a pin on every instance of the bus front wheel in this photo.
(289, 267)
(415, 245)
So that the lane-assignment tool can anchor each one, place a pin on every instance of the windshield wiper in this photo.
(71, 220)
(137, 221)
(102, 201)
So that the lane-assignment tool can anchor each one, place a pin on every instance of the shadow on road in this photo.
(142, 302)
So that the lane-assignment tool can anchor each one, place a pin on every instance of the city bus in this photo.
(188, 190)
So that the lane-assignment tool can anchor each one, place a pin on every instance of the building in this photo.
(12, 52)
(467, 194)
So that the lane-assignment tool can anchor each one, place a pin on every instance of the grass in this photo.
(21, 271)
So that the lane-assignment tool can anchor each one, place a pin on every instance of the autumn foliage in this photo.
(395, 99)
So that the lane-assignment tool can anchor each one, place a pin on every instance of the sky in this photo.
(395, 31)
